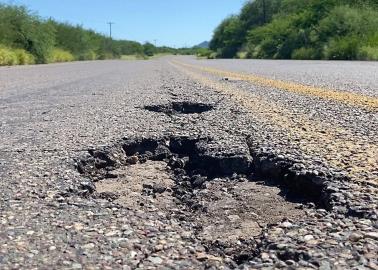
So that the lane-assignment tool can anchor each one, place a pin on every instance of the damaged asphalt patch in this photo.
(217, 196)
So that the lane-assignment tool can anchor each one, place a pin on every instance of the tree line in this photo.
(297, 29)
(26, 38)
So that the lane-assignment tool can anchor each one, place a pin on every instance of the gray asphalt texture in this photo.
(51, 115)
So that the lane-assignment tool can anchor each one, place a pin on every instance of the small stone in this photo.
(66, 263)
(290, 262)
(324, 265)
(308, 237)
(281, 264)
(78, 226)
(233, 218)
(265, 256)
(132, 254)
(76, 266)
(111, 233)
(214, 258)
(198, 180)
(201, 256)
(286, 224)
(128, 232)
(354, 237)
(159, 247)
(365, 222)
(372, 265)
(312, 242)
(124, 244)
(132, 160)
(159, 188)
(89, 246)
(372, 235)
(155, 260)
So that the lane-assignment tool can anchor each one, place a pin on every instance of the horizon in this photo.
(146, 21)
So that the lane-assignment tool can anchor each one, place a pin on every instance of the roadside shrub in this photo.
(213, 55)
(270, 40)
(368, 53)
(23, 57)
(106, 55)
(39, 40)
(372, 40)
(342, 48)
(59, 55)
(305, 54)
(7, 57)
(89, 55)
(203, 52)
(347, 21)
(242, 55)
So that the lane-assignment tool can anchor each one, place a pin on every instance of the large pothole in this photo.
(182, 107)
(219, 195)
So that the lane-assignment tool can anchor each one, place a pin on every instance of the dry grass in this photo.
(59, 55)
(10, 57)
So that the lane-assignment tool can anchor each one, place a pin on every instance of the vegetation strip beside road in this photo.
(337, 146)
(366, 102)
(297, 29)
(26, 38)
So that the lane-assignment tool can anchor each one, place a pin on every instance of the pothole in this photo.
(220, 196)
(182, 107)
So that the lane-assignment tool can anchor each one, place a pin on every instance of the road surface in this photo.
(189, 164)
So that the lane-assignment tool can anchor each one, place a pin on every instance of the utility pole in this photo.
(264, 11)
(155, 41)
(110, 29)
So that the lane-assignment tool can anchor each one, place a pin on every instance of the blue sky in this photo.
(170, 22)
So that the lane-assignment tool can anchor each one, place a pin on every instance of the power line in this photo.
(110, 28)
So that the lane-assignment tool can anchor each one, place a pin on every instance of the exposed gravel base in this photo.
(52, 217)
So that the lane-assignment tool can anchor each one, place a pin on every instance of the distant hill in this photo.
(204, 44)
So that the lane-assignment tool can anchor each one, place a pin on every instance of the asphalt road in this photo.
(308, 128)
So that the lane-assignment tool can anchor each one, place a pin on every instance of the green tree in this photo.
(228, 37)
(149, 49)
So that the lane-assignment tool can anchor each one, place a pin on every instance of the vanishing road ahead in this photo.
(69, 198)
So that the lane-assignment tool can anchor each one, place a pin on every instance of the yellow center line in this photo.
(366, 102)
